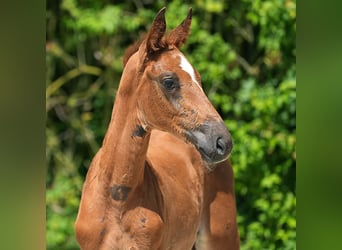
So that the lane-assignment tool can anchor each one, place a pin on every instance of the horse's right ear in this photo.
(179, 35)
(154, 40)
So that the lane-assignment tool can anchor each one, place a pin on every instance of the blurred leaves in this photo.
(245, 52)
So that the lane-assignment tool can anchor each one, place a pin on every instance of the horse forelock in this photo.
(164, 44)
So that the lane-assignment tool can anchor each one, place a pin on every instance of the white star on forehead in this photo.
(186, 66)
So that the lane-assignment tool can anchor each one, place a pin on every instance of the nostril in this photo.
(220, 146)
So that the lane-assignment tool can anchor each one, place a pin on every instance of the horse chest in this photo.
(183, 204)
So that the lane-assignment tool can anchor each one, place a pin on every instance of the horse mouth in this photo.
(204, 156)
(211, 159)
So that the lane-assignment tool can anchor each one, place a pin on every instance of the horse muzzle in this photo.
(213, 141)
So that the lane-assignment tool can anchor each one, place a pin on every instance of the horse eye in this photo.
(169, 83)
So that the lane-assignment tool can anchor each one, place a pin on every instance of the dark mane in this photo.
(132, 49)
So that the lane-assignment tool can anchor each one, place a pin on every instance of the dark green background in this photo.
(245, 52)
(23, 121)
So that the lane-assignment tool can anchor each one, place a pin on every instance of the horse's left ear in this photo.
(179, 35)
(154, 41)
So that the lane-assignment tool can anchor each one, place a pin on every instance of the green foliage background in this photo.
(245, 51)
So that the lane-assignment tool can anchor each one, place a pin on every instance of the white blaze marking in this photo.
(186, 66)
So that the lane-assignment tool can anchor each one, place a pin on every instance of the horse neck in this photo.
(124, 149)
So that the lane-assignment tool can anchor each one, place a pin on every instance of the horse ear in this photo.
(154, 40)
(179, 35)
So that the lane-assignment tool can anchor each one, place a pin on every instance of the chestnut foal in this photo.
(161, 179)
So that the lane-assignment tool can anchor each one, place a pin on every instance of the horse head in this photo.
(169, 94)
